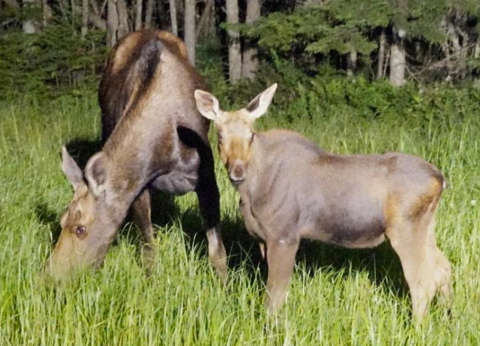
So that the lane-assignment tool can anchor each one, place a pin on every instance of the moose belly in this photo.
(177, 183)
(349, 227)
(353, 236)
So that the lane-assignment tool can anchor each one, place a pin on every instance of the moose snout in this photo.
(237, 172)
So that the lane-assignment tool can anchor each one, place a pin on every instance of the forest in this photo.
(354, 77)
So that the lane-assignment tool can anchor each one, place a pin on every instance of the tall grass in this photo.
(336, 297)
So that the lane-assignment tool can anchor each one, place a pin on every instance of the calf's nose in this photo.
(237, 173)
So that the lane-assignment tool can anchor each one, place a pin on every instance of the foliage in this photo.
(47, 62)
(329, 31)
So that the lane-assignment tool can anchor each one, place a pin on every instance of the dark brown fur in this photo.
(154, 138)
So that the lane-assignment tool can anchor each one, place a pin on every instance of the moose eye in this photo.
(80, 230)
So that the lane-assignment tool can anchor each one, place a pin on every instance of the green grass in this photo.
(336, 297)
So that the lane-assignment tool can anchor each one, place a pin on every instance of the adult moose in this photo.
(292, 189)
(154, 138)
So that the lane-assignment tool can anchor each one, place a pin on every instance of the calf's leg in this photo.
(425, 268)
(442, 268)
(281, 261)
(141, 208)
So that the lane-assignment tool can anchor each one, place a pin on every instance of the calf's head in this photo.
(87, 229)
(235, 129)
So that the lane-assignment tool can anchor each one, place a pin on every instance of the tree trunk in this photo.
(112, 23)
(97, 21)
(138, 14)
(12, 3)
(352, 62)
(162, 19)
(476, 52)
(117, 21)
(204, 19)
(95, 16)
(397, 59)
(149, 14)
(73, 7)
(250, 61)
(173, 16)
(189, 29)
(47, 13)
(381, 55)
(30, 25)
(234, 53)
(85, 12)
(180, 6)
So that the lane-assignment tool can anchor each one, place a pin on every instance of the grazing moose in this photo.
(292, 189)
(154, 138)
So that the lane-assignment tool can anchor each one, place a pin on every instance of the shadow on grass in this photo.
(82, 149)
(49, 218)
(381, 263)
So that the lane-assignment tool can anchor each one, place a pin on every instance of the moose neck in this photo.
(129, 172)
(255, 165)
(137, 148)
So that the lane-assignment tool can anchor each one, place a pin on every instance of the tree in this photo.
(250, 61)
(189, 29)
(138, 14)
(397, 58)
(117, 23)
(149, 14)
(85, 12)
(381, 54)
(205, 19)
(30, 24)
(173, 16)
(234, 52)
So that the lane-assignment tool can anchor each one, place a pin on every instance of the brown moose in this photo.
(154, 138)
(292, 189)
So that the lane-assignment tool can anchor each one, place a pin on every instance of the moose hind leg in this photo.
(209, 203)
(141, 208)
(416, 268)
(442, 267)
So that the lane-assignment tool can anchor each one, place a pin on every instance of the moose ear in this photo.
(207, 104)
(72, 171)
(259, 105)
(96, 174)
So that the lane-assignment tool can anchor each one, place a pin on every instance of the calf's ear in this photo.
(207, 105)
(259, 105)
(96, 174)
(72, 171)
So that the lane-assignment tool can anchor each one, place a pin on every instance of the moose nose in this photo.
(237, 172)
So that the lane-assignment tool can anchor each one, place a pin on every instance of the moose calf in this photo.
(154, 138)
(291, 189)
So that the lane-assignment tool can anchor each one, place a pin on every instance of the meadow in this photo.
(336, 296)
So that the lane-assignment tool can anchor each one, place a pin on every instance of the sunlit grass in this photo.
(336, 297)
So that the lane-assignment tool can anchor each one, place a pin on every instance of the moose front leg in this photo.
(209, 203)
(141, 208)
(281, 261)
